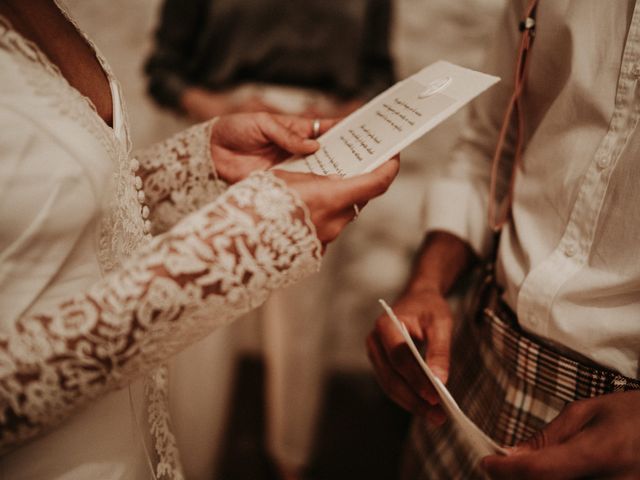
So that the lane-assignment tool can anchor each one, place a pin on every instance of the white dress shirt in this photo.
(568, 258)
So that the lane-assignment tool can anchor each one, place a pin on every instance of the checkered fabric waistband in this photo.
(539, 364)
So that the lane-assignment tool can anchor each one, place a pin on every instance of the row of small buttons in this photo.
(144, 209)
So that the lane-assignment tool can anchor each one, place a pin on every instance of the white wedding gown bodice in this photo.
(91, 305)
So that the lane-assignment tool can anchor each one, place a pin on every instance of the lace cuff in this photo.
(213, 266)
(178, 176)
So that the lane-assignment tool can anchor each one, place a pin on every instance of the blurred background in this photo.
(287, 393)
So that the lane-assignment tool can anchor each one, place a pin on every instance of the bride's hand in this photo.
(246, 142)
(331, 199)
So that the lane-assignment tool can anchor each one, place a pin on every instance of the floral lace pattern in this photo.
(217, 264)
(178, 176)
(213, 266)
(156, 390)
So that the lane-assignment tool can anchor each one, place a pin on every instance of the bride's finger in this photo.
(331, 231)
(362, 188)
(286, 138)
(304, 126)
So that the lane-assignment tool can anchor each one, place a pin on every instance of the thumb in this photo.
(362, 188)
(439, 347)
(286, 138)
(568, 423)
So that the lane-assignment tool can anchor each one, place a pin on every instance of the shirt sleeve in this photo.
(178, 175)
(456, 195)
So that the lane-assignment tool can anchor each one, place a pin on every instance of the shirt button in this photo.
(533, 320)
(603, 162)
(570, 251)
(635, 71)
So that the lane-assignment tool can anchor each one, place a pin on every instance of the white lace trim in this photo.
(213, 266)
(156, 391)
(178, 176)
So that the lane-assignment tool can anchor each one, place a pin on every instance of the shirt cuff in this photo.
(457, 208)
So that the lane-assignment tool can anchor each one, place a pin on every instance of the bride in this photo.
(110, 263)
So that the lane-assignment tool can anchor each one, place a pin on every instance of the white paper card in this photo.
(393, 120)
(480, 442)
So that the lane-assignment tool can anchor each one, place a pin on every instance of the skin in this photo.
(243, 143)
(594, 438)
(42, 22)
(424, 310)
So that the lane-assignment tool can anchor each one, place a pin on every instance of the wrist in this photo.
(424, 287)
(443, 259)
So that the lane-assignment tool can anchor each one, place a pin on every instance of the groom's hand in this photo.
(428, 318)
(424, 310)
(245, 142)
(595, 438)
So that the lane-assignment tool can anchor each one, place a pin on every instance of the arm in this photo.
(456, 199)
(594, 438)
(179, 175)
(59, 352)
(213, 266)
(423, 308)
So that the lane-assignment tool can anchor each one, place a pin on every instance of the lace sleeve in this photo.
(178, 176)
(214, 265)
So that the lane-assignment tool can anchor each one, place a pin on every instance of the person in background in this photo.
(551, 356)
(317, 58)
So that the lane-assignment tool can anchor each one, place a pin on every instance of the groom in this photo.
(552, 355)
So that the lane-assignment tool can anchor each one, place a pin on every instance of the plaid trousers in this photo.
(509, 384)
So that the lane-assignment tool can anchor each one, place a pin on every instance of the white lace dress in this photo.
(91, 304)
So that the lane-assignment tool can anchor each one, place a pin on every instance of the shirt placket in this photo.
(543, 283)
